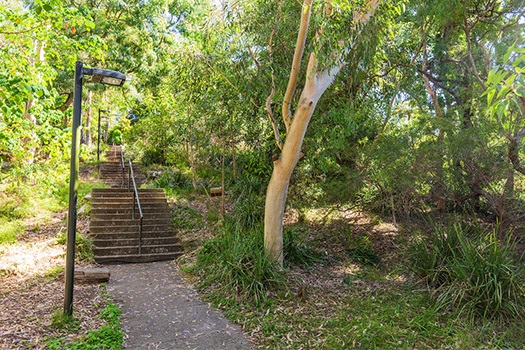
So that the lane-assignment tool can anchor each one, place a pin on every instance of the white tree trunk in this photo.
(283, 167)
(278, 187)
(316, 83)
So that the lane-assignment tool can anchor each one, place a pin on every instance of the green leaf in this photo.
(503, 92)
(490, 95)
(491, 76)
(510, 80)
(508, 53)
(518, 61)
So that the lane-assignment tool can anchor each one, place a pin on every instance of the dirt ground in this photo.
(32, 288)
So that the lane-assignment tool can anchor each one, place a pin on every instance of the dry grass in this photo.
(32, 291)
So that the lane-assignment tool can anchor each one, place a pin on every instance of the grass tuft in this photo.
(361, 251)
(235, 266)
(296, 252)
(472, 272)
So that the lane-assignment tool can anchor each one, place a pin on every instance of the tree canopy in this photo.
(422, 110)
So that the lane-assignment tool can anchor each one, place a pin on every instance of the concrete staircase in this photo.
(115, 234)
(111, 171)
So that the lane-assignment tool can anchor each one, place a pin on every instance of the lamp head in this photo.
(105, 76)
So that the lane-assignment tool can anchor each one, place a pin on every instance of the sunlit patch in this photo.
(387, 229)
(25, 260)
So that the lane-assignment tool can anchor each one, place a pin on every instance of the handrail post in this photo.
(136, 199)
(133, 208)
(140, 236)
(122, 166)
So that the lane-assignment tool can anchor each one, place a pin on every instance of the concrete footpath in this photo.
(160, 312)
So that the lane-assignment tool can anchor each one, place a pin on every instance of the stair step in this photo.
(131, 250)
(130, 235)
(127, 222)
(127, 210)
(129, 201)
(115, 259)
(140, 189)
(129, 228)
(134, 241)
(128, 216)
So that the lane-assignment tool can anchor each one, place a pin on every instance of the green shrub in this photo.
(233, 264)
(472, 272)
(296, 252)
(9, 230)
(154, 156)
(109, 336)
(172, 180)
(115, 136)
(186, 217)
(361, 251)
(248, 204)
(83, 246)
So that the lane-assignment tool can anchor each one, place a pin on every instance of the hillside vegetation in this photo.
(370, 153)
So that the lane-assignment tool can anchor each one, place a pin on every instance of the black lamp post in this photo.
(103, 76)
(98, 137)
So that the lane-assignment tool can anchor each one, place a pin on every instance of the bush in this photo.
(154, 156)
(233, 264)
(115, 136)
(83, 246)
(471, 272)
(296, 252)
(172, 180)
(248, 206)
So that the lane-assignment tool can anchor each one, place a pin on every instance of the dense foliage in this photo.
(426, 119)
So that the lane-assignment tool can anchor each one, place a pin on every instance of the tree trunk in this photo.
(191, 159)
(277, 190)
(316, 82)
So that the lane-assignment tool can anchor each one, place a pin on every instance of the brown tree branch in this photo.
(269, 111)
(24, 31)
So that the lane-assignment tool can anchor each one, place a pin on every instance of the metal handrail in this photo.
(122, 167)
(131, 175)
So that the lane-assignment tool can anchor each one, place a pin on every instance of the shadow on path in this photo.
(160, 312)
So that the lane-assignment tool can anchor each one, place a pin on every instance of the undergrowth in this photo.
(233, 264)
(296, 250)
(109, 336)
(471, 271)
(83, 246)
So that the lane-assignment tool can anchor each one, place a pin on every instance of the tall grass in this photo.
(234, 266)
(296, 250)
(471, 271)
(248, 205)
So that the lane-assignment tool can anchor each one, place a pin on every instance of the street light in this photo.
(103, 76)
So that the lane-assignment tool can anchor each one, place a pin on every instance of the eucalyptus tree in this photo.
(328, 32)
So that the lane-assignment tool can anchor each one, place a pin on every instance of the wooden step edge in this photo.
(144, 258)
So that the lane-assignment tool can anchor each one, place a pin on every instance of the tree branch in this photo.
(296, 63)
(440, 84)
(467, 29)
(269, 99)
(269, 111)
(24, 31)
